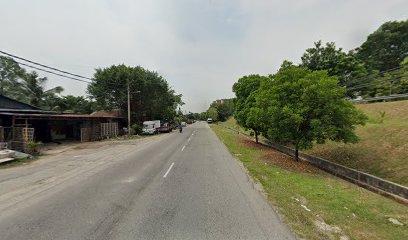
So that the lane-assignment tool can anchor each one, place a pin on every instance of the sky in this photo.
(201, 47)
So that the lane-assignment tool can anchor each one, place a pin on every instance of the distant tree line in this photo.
(219, 110)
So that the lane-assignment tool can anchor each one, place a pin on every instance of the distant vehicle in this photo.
(183, 124)
(209, 120)
(151, 127)
(166, 127)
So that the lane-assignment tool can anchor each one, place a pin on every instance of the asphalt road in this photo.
(172, 186)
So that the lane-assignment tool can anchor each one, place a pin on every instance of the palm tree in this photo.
(10, 74)
(33, 87)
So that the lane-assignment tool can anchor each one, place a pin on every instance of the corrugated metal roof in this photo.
(53, 115)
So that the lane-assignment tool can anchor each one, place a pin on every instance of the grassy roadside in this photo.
(315, 204)
(383, 147)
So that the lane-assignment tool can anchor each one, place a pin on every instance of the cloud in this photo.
(201, 47)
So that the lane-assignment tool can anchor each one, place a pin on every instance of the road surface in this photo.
(171, 186)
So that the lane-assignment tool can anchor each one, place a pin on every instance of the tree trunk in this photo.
(297, 152)
(256, 136)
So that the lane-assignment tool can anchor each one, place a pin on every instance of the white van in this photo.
(150, 127)
(209, 120)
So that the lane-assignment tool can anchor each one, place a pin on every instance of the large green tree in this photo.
(301, 107)
(336, 62)
(10, 74)
(386, 47)
(246, 113)
(150, 95)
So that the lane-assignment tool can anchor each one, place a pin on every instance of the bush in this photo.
(33, 147)
(135, 129)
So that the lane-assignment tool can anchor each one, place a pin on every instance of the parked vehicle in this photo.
(209, 120)
(165, 127)
(151, 127)
(183, 124)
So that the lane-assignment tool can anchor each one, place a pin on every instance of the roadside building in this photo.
(21, 122)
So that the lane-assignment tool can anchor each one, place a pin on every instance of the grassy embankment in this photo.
(383, 148)
(337, 208)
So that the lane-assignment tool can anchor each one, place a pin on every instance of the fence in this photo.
(363, 179)
(98, 132)
(16, 137)
(109, 130)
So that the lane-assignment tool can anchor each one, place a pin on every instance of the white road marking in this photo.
(189, 139)
(183, 148)
(171, 166)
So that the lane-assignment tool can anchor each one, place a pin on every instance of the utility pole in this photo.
(128, 98)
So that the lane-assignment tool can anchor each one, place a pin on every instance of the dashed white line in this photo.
(183, 148)
(171, 166)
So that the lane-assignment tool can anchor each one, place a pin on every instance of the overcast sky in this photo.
(200, 46)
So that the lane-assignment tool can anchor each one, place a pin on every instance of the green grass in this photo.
(383, 146)
(331, 200)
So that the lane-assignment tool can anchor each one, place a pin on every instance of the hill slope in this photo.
(383, 148)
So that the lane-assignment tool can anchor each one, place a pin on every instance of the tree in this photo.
(301, 107)
(225, 109)
(150, 95)
(10, 73)
(74, 104)
(212, 113)
(386, 47)
(246, 115)
(336, 62)
(33, 88)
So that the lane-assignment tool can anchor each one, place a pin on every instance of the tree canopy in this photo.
(335, 61)
(150, 95)
(386, 47)
(28, 87)
(303, 106)
(246, 113)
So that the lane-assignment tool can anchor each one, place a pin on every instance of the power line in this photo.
(76, 79)
(376, 74)
(42, 65)
(391, 80)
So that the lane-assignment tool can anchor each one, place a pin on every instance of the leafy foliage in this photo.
(74, 104)
(10, 74)
(335, 61)
(246, 113)
(225, 109)
(151, 97)
(212, 113)
(24, 86)
(385, 48)
(303, 106)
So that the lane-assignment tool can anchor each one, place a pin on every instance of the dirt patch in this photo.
(279, 159)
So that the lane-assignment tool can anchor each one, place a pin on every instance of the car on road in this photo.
(151, 127)
(209, 120)
(165, 128)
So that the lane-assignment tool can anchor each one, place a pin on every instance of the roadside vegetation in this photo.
(383, 146)
(317, 205)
